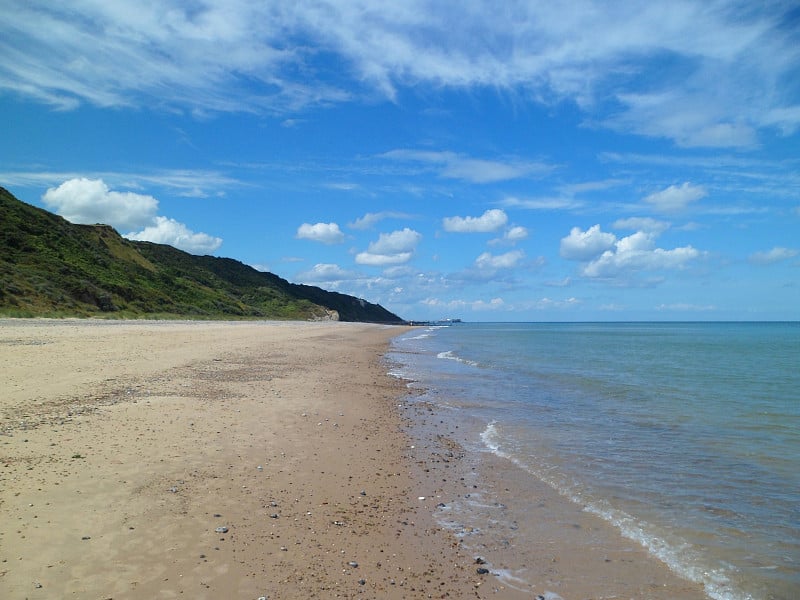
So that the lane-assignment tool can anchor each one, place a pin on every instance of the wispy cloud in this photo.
(495, 262)
(371, 219)
(475, 170)
(195, 183)
(676, 197)
(542, 203)
(697, 73)
(327, 273)
(774, 255)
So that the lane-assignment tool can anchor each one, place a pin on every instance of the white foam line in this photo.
(677, 555)
(450, 355)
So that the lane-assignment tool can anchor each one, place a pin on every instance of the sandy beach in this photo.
(234, 460)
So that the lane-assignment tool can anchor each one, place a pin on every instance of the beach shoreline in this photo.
(247, 460)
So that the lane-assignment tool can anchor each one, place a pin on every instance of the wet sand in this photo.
(245, 460)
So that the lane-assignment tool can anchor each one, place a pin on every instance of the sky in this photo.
(511, 161)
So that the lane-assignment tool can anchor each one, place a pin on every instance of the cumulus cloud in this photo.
(605, 256)
(458, 305)
(382, 260)
(583, 245)
(511, 236)
(775, 255)
(676, 197)
(637, 253)
(516, 234)
(90, 201)
(325, 273)
(492, 220)
(392, 248)
(169, 231)
(326, 233)
(491, 262)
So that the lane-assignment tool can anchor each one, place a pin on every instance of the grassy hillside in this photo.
(51, 267)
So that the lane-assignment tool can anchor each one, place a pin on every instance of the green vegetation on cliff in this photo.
(51, 267)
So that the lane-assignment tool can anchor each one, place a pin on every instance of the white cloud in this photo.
(392, 248)
(583, 245)
(591, 186)
(493, 304)
(189, 183)
(82, 200)
(325, 273)
(565, 282)
(491, 262)
(381, 260)
(459, 305)
(557, 203)
(642, 224)
(371, 219)
(492, 220)
(169, 231)
(516, 234)
(326, 233)
(550, 304)
(605, 256)
(775, 255)
(681, 115)
(511, 236)
(404, 240)
(637, 254)
(475, 170)
(696, 73)
(686, 307)
(786, 119)
(676, 197)
(90, 201)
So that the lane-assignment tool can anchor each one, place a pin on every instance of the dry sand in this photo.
(124, 446)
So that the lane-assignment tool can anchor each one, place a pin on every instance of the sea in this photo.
(685, 437)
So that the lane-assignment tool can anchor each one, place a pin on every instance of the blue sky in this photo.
(482, 160)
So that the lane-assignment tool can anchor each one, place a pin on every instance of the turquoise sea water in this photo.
(685, 436)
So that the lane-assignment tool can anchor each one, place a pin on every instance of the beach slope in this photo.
(210, 460)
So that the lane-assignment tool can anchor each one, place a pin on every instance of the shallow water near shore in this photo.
(683, 436)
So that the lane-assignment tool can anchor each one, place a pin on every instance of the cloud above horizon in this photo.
(475, 170)
(371, 219)
(605, 256)
(169, 231)
(326, 233)
(698, 74)
(490, 221)
(774, 255)
(90, 201)
(676, 197)
(392, 248)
